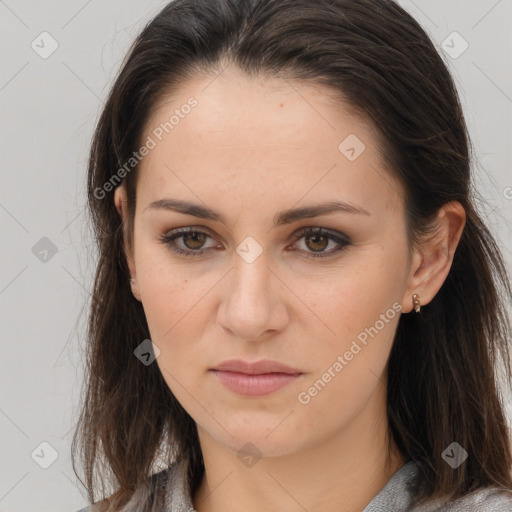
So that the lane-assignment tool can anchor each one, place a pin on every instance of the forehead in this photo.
(261, 137)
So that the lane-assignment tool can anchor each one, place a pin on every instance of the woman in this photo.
(296, 305)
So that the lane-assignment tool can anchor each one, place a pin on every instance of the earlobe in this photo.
(433, 257)
(414, 291)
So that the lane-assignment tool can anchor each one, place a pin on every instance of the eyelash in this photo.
(168, 240)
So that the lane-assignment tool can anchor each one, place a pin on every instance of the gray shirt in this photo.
(395, 496)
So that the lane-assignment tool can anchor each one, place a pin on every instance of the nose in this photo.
(252, 307)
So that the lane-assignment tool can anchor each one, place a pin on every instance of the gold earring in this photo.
(416, 302)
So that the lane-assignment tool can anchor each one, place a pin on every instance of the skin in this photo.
(249, 149)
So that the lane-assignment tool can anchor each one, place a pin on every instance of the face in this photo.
(254, 280)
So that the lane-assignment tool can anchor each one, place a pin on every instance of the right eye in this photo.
(192, 241)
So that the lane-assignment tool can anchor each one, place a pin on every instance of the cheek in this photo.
(175, 302)
(361, 309)
(171, 294)
(349, 368)
(354, 298)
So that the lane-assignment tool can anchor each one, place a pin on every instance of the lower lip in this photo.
(255, 385)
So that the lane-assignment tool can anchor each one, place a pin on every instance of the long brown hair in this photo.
(442, 379)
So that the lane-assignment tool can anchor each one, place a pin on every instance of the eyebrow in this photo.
(281, 218)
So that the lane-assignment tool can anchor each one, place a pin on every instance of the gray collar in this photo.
(396, 494)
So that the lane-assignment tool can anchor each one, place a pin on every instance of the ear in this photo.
(432, 258)
(120, 201)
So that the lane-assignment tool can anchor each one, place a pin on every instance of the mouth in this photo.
(255, 379)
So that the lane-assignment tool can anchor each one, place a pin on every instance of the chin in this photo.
(258, 438)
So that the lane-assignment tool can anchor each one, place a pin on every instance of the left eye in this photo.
(315, 239)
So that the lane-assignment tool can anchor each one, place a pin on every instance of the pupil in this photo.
(196, 237)
(315, 238)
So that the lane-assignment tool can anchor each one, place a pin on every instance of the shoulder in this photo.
(397, 495)
(489, 499)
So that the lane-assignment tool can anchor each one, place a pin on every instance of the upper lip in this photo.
(255, 368)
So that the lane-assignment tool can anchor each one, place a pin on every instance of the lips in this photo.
(255, 379)
(256, 368)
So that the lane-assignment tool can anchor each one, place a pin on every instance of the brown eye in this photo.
(194, 240)
(190, 242)
(187, 241)
(316, 240)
